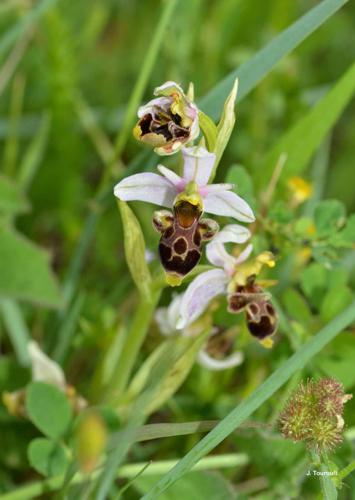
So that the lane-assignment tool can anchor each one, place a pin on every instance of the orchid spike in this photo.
(169, 121)
(234, 277)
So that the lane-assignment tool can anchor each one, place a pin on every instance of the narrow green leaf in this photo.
(335, 300)
(16, 329)
(47, 457)
(25, 271)
(256, 68)
(209, 130)
(12, 201)
(134, 245)
(184, 350)
(278, 378)
(301, 141)
(48, 409)
(225, 126)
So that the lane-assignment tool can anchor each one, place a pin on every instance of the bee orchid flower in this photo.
(169, 121)
(188, 196)
(167, 318)
(234, 277)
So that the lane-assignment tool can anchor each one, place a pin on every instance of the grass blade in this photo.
(279, 377)
(254, 70)
(317, 122)
(16, 328)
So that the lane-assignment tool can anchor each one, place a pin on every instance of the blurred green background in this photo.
(88, 53)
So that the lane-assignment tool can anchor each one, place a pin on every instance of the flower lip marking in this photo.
(181, 237)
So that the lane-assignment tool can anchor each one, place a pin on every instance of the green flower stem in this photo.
(329, 491)
(126, 471)
(134, 339)
(233, 420)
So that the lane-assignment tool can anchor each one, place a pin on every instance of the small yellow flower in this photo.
(300, 189)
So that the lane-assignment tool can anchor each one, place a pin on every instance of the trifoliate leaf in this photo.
(48, 409)
(329, 216)
(47, 457)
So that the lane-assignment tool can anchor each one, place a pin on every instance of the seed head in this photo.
(313, 414)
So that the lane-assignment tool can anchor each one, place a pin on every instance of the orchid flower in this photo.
(189, 196)
(234, 277)
(167, 318)
(169, 121)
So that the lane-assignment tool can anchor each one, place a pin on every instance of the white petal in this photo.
(198, 164)
(228, 204)
(192, 112)
(174, 310)
(168, 88)
(232, 233)
(216, 188)
(147, 186)
(214, 364)
(150, 107)
(244, 254)
(216, 252)
(170, 175)
(199, 294)
(167, 317)
(45, 369)
(218, 256)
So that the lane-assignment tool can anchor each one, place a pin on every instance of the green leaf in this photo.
(183, 350)
(194, 486)
(16, 328)
(337, 360)
(25, 271)
(329, 215)
(240, 177)
(48, 409)
(134, 245)
(296, 306)
(257, 67)
(345, 237)
(335, 301)
(12, 201)
(225, 126)
(209, 130)
(301, 141)
(264, 391)
(47, 457)
(313, 282)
